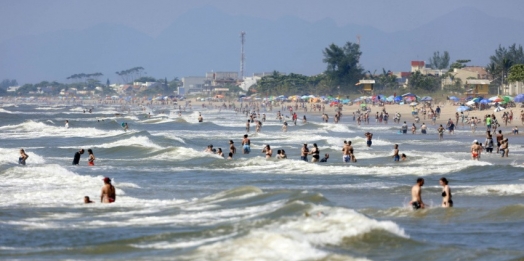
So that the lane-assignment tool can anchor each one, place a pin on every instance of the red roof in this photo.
(417, 63)
(405, 74)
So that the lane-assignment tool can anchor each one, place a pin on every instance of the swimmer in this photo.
(247, 126)
(304, 152)
(108, 194)
(346, 154)
(515, 131)
(504, 147)
(23, 157)
(369, 136)
(232, 148)
(246, 143)
(87, 200)
(396, 156)
(76, 158)
(404, 128)
(440, 131)
(326, 157)
(423, 128)
(284, 126)
(209, 148)
(447, 202)
(67, 124)
(283, 154)
(91, 159)
(500, 138)
(475, 150)
(416, 195)
(315, 152)
(220, 153)
(200, 119)
(230, 156)
(403, 157)
(267, 150)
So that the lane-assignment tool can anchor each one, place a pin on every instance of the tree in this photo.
(458, 64)
(6, 83)
(343, 64)
(387, 80)
(419, 81)
(130, 75)
(516, 73)
(145, 79)
(439, 61)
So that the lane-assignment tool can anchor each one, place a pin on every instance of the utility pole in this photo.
(242, 56)
(358, 42)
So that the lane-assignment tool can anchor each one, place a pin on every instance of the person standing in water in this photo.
(67, 124)
(396, 156)
(108, 194)
(416, 195)
(440, 131)
(23, 157)
(232, 148)
(369, 136)
(447, 202)
(91, 159)
(267, 150)
(315, 152)
(423, 128)
(304, 152)
(200, 119)
(76, 158)
(246, 144)
(247, 126)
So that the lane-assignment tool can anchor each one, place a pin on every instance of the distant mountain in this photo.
(207, 39)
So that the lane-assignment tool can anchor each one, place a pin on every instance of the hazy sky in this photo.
(30, 17)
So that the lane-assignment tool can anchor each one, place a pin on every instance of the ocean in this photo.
(177, 202)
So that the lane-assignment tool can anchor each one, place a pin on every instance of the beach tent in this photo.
(390, 98)
(398, 99)
(453, 98)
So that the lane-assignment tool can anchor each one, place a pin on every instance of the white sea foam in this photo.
(32, 129)
(301, 236)
(487, 190)
(10, 156)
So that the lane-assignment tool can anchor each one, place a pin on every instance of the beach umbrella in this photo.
(470, 102)
(408, 95)
(463, 108)
(498, 99)
(498, 109)
(453, 98)
(507, 98)
(484, 101)
(426, 98)
(398, 99)
(390, 98)
(357, 100)
(476, 99)
(519, 98)
(494, 98)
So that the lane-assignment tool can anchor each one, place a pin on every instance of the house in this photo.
(13, 88)
(423, 68)
(367, 86)
(193, 84)
(222, 78)
(514, 88)
(478, 87)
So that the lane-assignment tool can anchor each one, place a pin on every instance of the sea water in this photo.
(177, 202)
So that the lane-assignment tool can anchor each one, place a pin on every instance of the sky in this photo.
(35, 17)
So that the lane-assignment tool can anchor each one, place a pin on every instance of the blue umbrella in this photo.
(484, 101)
(453, 98)
(519, 98)
(398, 99)
(463, 108)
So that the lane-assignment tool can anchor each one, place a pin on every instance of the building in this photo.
(193, 84)
(222, 78)
(367, 86)
(478, 87)
(13, 88)
(423, 68)
(514, 88)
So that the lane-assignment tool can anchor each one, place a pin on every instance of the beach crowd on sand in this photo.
(442, 118)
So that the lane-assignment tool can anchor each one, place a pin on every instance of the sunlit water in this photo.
(175, 201)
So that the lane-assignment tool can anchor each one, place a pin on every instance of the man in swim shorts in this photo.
(396, 156)
(416, 195)
(246, 144)
(475, 150)
(304, 152)
(346, 154)
(369, 136)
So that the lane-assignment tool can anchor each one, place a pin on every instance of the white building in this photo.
(13, 88)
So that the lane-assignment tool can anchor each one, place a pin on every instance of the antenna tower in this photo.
(242, 57)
